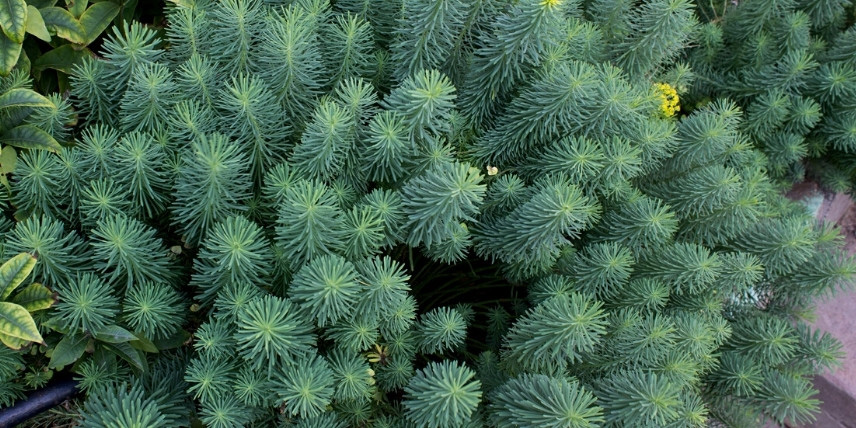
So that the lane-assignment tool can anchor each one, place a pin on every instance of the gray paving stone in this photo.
(836, 314)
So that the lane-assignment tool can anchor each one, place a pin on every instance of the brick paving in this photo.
(836, 314)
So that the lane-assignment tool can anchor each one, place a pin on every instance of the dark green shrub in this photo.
(440, 214)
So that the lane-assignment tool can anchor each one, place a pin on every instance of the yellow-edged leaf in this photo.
(12, 342)
(76, 7)
(14, 272)
(15, 321)
(30, 137)
(8, 161)
(23, 64)
(22, 97)
(9, 54)
(64, 24)
(36, 25)
(15, 116)
(34, 297)
(13, 19)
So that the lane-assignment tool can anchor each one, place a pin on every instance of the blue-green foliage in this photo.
(442, 395)
(454, 213)
(783, 62)
(214, 183)
(235, 252)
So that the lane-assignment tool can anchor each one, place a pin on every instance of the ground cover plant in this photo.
(444, 213)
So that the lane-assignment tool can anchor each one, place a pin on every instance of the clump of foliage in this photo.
(428, 213)
(30, 121)
(790, 66)
(18, 327)
(48, 38)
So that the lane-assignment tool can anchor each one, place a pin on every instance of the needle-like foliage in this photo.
(118, 405)
(155, 310)
(448, 193)
(147, 181)
(62, 254)
(254, 120)
(306, 388)
(86, 303)
(235, 252)
(538, 400)
(441, 329)
(327, 288)
(272, 333)
(127, 251)
(309, 222)
(559, 331)
(429, 213)
(214, 183)
(442, 395)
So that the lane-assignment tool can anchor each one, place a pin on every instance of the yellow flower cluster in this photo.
(550, 3)
(669, 102)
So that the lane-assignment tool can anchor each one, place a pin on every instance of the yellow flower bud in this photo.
(669, 101)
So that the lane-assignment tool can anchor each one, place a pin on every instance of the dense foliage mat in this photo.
(439, 213)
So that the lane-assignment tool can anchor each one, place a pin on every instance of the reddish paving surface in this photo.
(836, 314)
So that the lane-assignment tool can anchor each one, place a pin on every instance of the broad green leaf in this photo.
(9, 53)
(128, 9)
(55, 325)
(15, 321)
(76, 7)
(40, 4)
(129, 354)
(14, 271)
(144, 344)
(30, 137)
(12, 342)
(65, 25)
(34, 297)
(63, 58)
(14, 117)
(36, 25)
(97, 18)
(114, 334)
(23, 63)
(13, 19)
(174, 341)
(103, 356)
(68, 350)
(8, 160)
(64, 86)
(21, 97)
(21, 215)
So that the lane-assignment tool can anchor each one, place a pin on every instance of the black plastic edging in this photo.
(38, 402)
